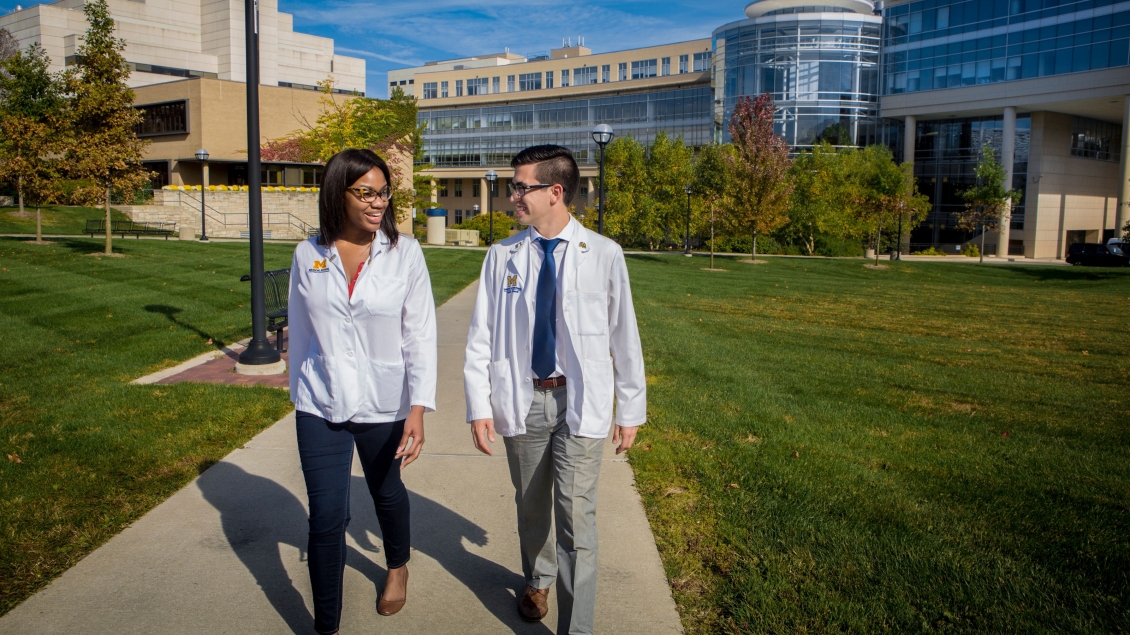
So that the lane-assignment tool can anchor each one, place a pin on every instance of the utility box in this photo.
(437, 226)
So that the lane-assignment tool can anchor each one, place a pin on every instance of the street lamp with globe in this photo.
(688, 189)
(202, 157)
(602, 135)
(492, 178)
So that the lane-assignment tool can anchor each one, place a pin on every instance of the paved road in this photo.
(227, 553)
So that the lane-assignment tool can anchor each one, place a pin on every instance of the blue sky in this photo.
(391, 35)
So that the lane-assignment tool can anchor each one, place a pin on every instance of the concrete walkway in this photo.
(227, 553)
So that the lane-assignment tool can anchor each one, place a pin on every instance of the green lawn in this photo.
(938, 447)
(83, 451)
(57, 219)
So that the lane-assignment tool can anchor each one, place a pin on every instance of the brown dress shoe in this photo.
(533, 605)
(387, 607)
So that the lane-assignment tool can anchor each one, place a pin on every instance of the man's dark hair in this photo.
(342, 170)
(555, 165)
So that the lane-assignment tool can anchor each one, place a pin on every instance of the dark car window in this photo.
(1075, 249)
(1115, 250)
(1100, 250)
(1089, 250)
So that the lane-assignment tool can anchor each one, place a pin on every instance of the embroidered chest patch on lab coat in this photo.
(320, 266)
(512, 284)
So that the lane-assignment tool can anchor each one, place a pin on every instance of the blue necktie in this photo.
(545, 314)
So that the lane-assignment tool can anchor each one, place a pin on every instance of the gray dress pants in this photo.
(555, 475)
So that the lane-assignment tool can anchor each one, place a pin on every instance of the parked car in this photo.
(1096, 255)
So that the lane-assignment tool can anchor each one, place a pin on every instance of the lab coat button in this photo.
(350, 354)
(349, 320)
(527, 380)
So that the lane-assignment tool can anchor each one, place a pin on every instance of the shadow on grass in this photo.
(258, 515)
(645, 258)
(171, 313)
(1068, 274)
(83, 246)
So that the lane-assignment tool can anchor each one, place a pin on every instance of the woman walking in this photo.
(362, 371)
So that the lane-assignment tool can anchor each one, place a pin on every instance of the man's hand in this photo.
(414, 430)
(482, 430)
(623, 438)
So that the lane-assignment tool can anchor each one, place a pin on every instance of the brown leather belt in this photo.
(552, 382)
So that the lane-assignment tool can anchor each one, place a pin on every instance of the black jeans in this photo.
(326, 450)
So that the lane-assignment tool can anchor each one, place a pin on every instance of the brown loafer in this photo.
(387, 607)
(532, 606)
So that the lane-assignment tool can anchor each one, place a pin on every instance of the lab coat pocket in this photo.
(592, 313)
(596, 405)
(387, 385)
(385, 296)
(317, 375)
(502, 393)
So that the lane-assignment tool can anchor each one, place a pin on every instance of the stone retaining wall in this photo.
(285, 214)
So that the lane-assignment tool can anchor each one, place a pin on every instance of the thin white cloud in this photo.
(377, 56)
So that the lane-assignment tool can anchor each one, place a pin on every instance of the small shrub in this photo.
(971, 251)
(930, 251)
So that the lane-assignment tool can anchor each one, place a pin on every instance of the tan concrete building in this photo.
(480, 111)
(1050, 91)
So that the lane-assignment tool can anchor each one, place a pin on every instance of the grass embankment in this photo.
(932, 448)
(57, 219)
(83, 451)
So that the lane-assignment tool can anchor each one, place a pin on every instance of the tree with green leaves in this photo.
(877, 190)
(760, 187)
(104, 148)
(817, 204)
(988, 204)
(32, 128)
(627, 198)
(670, 170)
(711, 181)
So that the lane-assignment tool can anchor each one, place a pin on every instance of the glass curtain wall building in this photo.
(934, 44)
(491, 135)
(820, 62)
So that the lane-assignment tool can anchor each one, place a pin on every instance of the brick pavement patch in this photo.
(222, 371)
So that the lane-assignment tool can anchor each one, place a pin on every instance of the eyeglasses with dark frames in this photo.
(368, 195)
(522, 190)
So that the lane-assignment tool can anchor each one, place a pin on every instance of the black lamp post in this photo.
(259, 351)
(202, 156)
(602, 135)
(899, 251)
(688, 190)
(492, 178)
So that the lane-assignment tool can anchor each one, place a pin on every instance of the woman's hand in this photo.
(414, 430)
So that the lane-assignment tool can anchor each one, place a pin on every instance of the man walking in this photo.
(552, 340)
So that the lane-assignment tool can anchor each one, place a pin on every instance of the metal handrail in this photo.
(269, 218)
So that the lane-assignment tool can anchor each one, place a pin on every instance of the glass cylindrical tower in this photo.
(819, 59)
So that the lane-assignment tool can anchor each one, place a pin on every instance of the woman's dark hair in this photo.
(342, 170)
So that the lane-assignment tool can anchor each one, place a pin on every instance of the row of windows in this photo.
(585, 75)
(1093, 42)
(917, 21)
(687, 104)
(1093, 139)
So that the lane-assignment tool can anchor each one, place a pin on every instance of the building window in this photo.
(443, 188)
(666, 66)
(496, 85)
(443, 90)
(584, 76)
(606, 73)
(479, 86)
(702, 61)
(509, 83)
(644, 69)
(584, 188)
(565, 78)
(271, 175)
(458, 216)
(549, 79)
(623, 71)
(458, 88)
(684, 63)
(475, 185)
(1093, 139)
(529, 81)
(158, 120)
(431, 90)
(458, 188)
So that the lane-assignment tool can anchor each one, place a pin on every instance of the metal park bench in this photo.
(276, 287)
(124, 228)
